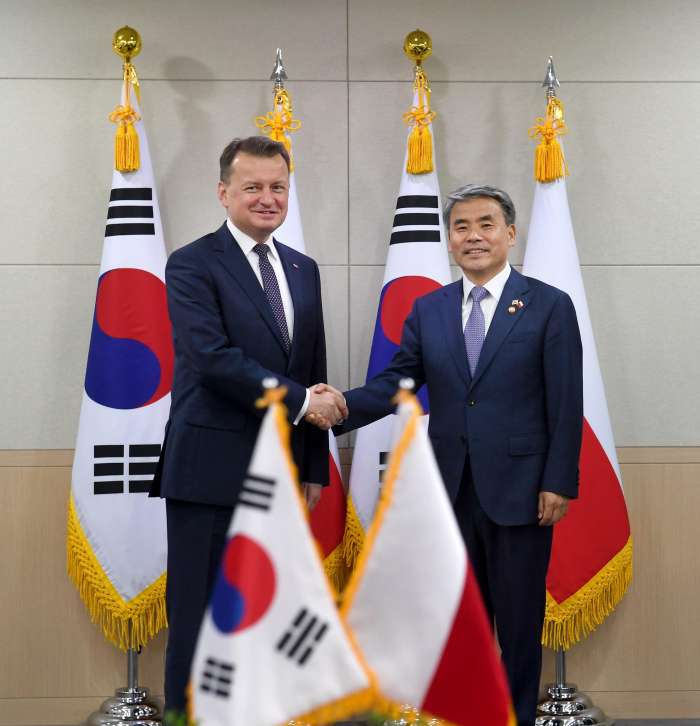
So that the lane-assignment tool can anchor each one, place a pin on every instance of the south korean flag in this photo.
(272, 647)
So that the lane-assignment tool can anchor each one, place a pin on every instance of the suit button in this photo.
(471, 401)
(462, 439)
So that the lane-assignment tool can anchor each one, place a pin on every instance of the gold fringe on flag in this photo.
(565, 622)
(549, 157)
(278, 122)
(146, 612)
(126, 140)
(354, 537)
(337, 568)
(420, 142)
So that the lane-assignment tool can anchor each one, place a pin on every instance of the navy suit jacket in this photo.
(226, 342)
(520, 417)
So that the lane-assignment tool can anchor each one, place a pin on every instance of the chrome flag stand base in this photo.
(562, 705)
(130, 706)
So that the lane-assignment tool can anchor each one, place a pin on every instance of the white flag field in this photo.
(272, 647)
(117, 547)
(417, 263)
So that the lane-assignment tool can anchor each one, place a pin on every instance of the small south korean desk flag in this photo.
(272, 647)
(413, 604)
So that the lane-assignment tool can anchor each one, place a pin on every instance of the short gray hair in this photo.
(474, 191)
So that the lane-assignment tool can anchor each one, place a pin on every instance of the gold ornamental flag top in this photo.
(418, 46)
(127, 44)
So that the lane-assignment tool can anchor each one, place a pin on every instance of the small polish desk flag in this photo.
(414, 606)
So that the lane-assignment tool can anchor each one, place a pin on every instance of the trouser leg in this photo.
(196, 539)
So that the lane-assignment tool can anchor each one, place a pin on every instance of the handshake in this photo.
(326, 406)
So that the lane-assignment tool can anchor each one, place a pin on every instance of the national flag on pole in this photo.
(328, 517)
(591, 562)
(414, 605)
(417, 263)
(116, 540)
(272, 647)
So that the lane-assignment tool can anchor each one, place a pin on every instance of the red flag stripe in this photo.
(328, 516)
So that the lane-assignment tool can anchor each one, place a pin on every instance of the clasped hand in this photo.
(326, 406)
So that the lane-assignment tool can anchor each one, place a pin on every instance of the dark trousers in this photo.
(510, 564)
(196, 540)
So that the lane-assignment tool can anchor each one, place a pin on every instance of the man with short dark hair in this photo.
(502, 358)
(243, 307)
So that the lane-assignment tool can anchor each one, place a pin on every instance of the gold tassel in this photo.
(565, 622)
(126, 141)
(279, 122)
(420, 142)
(354, 537)
(146, 612)
(549, 156)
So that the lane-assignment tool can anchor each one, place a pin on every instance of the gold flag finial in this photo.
(418, 46)
(127, 44)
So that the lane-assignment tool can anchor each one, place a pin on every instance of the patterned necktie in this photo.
(272, 290)
(475, 329)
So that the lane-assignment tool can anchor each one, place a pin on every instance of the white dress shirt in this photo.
(488, 305)
(247, 243)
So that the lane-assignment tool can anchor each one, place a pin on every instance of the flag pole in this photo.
(561, 702)
(130, 704)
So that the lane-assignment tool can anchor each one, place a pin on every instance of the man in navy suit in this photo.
(501, 355)
(243, 307)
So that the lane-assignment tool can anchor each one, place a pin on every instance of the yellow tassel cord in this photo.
(354, 537)
(565, 622)
(126, 140)
(420, 142)
(549, 157)
(110, 612)
(278, 123)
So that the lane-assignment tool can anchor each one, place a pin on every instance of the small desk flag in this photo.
(272, 647)
(413, 604)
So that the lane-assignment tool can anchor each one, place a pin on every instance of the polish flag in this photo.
(413, 604)
(591, 562)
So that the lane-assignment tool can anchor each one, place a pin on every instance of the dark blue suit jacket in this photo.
(520, 417)
(226, 342)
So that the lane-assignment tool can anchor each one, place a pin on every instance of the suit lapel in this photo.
(451, 314)
(232, 258)
(293, 275)
(503, 321)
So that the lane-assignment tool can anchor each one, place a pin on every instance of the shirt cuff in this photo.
(303, 408)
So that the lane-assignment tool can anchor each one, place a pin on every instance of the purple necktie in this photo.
(475, 329)
(272, 290)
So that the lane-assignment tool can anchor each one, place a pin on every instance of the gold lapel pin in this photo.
(511, 309)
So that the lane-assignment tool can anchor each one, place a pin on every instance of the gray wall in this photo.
(630, 74)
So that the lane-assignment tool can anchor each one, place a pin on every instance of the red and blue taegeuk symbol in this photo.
(395, 304)
(245, 586)
(130, 363)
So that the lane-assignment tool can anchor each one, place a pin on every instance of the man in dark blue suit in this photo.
(243, 307)
(501, 356)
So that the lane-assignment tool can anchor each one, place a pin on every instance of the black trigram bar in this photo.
(138, 450)
(109, 487)
(303, 635)
(134, 228)
(130, 211)
(415, 235)
(139, 194)
(217, 678)
(417, 200)
(415, 219)
(113, 468)
(383, 461)
(109, 452)
(257, 492)
(140, 486)
(139, 468)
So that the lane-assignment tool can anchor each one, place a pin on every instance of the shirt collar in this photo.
(247, 243)
(495, 285)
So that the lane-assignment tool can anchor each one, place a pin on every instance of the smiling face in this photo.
(257, 194)
(479, 238)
